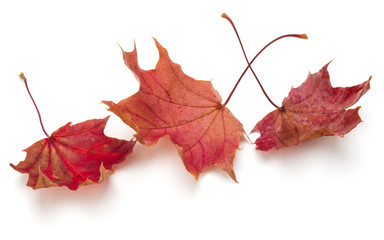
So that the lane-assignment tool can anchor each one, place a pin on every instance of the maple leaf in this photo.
(312, 110)
(74, 155)
(170, 103)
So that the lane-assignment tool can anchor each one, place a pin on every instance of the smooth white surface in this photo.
(328, 188)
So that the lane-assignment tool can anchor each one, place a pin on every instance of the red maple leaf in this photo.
(312, 110)
(170, 103)
(73, 155)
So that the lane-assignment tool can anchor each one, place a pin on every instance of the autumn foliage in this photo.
(312, 110)
(170, 103)
(191, 114)
(74, 155)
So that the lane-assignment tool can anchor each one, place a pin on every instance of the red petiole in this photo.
(22, 76)
(302, 36)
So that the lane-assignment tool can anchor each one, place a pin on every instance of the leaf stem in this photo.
(22, 76)
(302, 36)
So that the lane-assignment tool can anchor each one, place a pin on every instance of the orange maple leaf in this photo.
(170, 103)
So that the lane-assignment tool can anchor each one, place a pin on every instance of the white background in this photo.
(328, 188)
